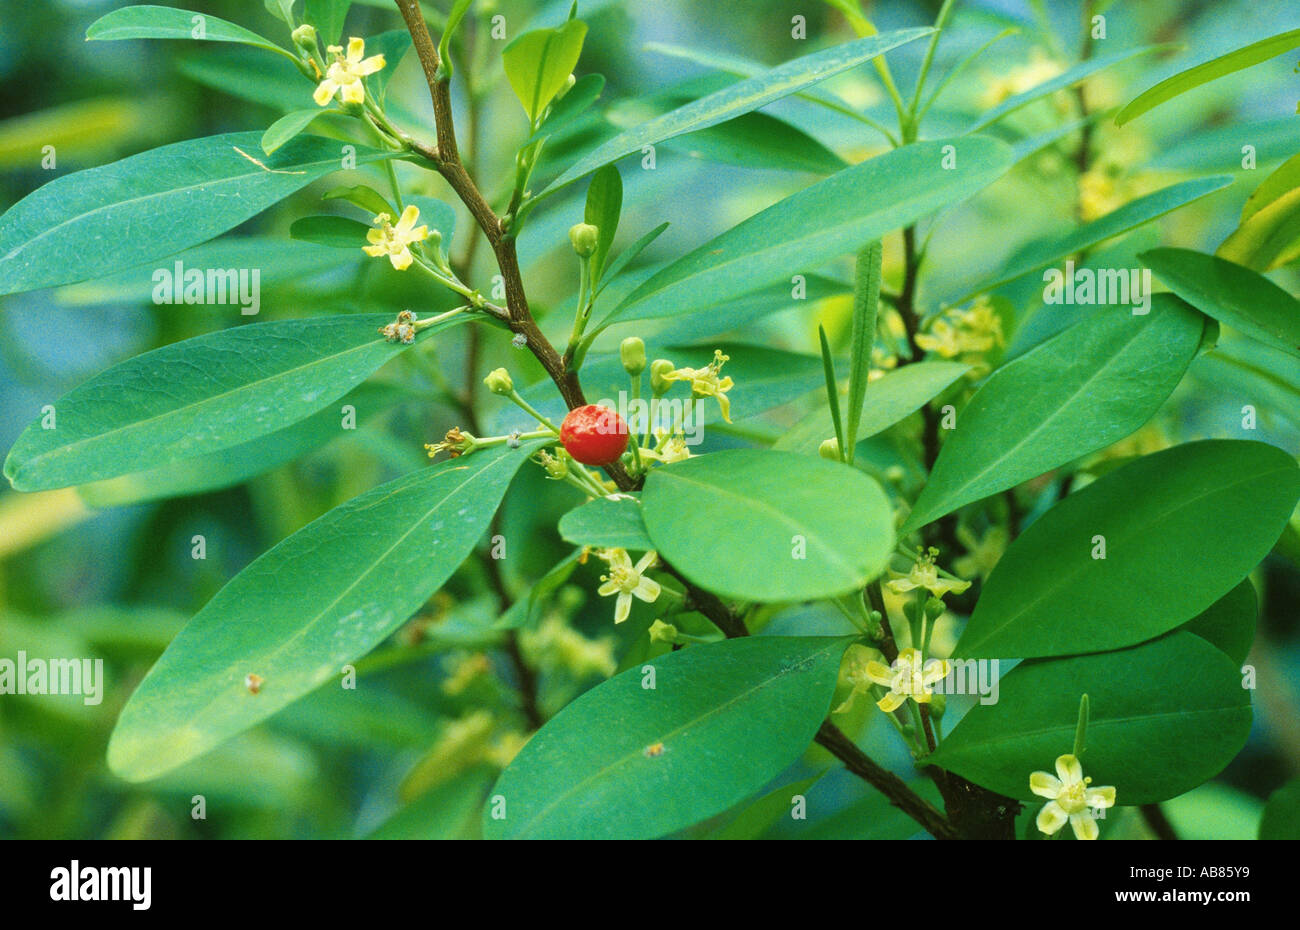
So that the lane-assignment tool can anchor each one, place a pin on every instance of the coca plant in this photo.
(804, 560)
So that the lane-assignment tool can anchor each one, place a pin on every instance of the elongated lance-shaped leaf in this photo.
(1067, 78)
(866, 297)
(76, 227)
(832, 392)
(319, 600)
(164, 22)
(538, 64)
(829, 219)
(1208, 71)
(604, 205)
(741, 97)
(1080, 391)
(1130, 216)
(199, 396)
(627, 761)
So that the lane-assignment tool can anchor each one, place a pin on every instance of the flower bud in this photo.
(499, 382)
(830, 449)
(583, 236)
(305, 37)
(933, 609)
(660, 368)
(938, 704)
(632, 351)
(661, 632)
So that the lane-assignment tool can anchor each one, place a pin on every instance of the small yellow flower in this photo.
(627, 580)
(1070, 799)
(1040, 68)
(911, 676)
(942, 338)
(925, 574)
(556, 644)
(706, 383)
(396, 241)
(672, 449)
(344, 74)
(966, 333)
(984, 552)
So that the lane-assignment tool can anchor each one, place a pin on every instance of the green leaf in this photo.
(758, 817)
(769, 526)
(1233, 295)
(756, 140)
(373, 561)
(236, 464)
(199, 396)
(866, 298)
(1229, 623)
(445, 813)
(629, 761)
(538, 64)
(1165, 717)
(164, 22)
(897, 395)
(458, 10)
(819, 223)
(604, 204)
(327, 16)
(1281, 182)
(832, 392)
(1181, 527)
(632, 251)
(1083, 389)
(1269, 237)
(1208, 71)
(607, 523)
(58, 234)
(1067, 78)
(1281, 820)
(287, 127)
(339, 232)
(365, 197)
(741, 97)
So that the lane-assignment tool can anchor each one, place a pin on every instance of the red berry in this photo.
(594, 435)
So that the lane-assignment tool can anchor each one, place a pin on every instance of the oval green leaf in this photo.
(607, 523)
(626, 761)
(1181, 528)
(1165, 717)
(164, 22)
(758, 525)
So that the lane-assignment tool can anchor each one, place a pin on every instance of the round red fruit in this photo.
(594, 435)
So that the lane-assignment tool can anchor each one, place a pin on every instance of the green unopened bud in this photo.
(583, 236)
(830, 449)
(557, 466)
(499, 382)
(661, 632)
(933, 609)
(305, 37)
(938, 704)
(632, 351)
(660, 368)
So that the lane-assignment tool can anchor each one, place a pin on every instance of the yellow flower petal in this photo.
(1045, 785)
(1069, 770)
(891, 702)
(879, 673)
(324, 92)
(1051, 818)
(1085, 827)
(1100, 797)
